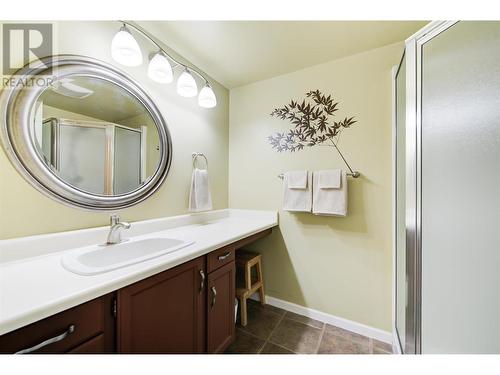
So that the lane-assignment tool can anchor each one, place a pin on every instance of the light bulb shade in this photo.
(159, 69)
(125, 50)
(207, 98)
(186, 85)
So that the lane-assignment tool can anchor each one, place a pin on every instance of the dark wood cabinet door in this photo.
(220, 308)
(164, 313)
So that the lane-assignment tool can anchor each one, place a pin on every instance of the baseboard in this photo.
(346, 324)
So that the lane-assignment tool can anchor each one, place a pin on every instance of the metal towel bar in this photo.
(354, 174)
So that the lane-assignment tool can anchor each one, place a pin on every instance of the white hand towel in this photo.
(297, 200)
(297, 179)
(329, 201)
(199, 194)
(330, 179)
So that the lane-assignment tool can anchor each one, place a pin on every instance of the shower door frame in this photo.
(396, 339)
(413, 124)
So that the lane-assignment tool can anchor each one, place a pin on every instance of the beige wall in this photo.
(341, 266)
(25, 211)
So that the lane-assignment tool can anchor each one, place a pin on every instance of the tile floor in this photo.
(271, 330)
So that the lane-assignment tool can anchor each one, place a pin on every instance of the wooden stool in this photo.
(247, 260)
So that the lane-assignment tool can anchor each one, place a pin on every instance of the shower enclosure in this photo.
(447, 190)
(94, 156)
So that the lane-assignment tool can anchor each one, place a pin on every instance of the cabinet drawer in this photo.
(86, 320)
(96, 345)
(220, 257)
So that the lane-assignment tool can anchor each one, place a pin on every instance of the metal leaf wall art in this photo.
(313, 123)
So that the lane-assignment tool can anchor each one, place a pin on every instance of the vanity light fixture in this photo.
(206, 98)
(186, 85)
(126, 51)
(159, 69)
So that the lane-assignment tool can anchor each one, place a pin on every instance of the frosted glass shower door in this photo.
(460, 196)
(127, 160)
(81, 159)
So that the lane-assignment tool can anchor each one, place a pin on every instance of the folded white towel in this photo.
(297, 200)
(297, 179)
(329, 201)
(199, 194)
(329, 179)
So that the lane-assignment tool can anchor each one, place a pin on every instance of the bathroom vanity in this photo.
(181, 302)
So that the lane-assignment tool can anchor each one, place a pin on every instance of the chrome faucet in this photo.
(114, 236)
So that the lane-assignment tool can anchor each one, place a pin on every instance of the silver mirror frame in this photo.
(16, 104)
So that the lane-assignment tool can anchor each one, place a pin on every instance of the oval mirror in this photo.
(85, 133)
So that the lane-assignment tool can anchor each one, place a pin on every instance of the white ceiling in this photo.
(236, 53)
(108, 102)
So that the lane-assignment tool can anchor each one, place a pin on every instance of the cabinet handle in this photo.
(224, 256)
(202, 283)
(214, 294)
(52, 340)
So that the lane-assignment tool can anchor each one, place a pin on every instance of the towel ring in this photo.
(195, 157)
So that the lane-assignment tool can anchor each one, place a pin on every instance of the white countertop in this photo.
(34, 284)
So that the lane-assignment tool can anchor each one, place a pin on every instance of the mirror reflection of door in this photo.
(95, 136)
(128, 159)
(80, 152)
(101, 158)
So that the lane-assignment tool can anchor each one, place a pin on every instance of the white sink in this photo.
(97, 259)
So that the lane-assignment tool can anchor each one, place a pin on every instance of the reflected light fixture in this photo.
(159, 69)
(124, 48)
(206, 98)
(186, 85)
(67, 88)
